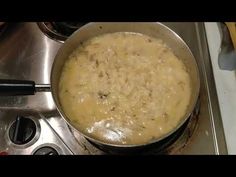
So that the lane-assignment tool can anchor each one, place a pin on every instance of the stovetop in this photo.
(27, 53)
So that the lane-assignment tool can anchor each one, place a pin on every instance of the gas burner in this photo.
(170, 145)
(59, 31)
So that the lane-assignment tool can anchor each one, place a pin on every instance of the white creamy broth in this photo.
(124, 88)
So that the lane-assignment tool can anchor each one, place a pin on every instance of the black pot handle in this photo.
(16, 87)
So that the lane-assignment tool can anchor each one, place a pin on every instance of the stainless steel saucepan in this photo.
(158, 30)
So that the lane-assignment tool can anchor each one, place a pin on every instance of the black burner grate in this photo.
(59, 31)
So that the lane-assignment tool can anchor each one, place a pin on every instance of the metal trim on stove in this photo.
(213, 103)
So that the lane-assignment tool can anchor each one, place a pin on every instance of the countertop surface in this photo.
(226, 86)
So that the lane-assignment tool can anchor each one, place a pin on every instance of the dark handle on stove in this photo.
(20, 87)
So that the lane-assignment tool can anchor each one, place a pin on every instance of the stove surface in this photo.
(27, 53)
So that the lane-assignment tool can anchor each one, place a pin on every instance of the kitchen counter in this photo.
(226, 86)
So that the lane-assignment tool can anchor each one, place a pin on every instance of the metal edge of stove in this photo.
(213, 104)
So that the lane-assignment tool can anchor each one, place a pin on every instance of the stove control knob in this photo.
(46, 151)
(22, 130)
